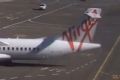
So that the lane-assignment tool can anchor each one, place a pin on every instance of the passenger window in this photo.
(25, 49)
(12, 48)
(21, 48)
(29, 49)
(34, 49)
(8, 48)
(3, 48)
(17, 48)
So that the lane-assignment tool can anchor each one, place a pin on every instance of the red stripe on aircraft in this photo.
(72, 33)
(87, 33)
(69, 38)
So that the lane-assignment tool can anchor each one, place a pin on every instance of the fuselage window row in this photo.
(18, 49)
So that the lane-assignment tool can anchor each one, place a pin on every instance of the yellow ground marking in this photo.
(106, 59)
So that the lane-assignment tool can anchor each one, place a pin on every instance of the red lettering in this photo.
(69, 38)
(72, 33)
(87, 33)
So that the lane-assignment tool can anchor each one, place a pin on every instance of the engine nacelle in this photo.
(5, 58)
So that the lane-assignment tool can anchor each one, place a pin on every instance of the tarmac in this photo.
(19, 18)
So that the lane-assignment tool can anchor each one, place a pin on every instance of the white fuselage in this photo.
(39, 48)
(75, 39)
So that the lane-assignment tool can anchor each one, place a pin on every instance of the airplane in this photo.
(75, 39)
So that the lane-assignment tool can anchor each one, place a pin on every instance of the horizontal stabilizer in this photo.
(89, 46)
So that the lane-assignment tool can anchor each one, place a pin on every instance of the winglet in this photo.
(94, 12)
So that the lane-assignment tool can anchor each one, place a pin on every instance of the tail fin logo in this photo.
(95, 11)
(87, 27)
(75, 32)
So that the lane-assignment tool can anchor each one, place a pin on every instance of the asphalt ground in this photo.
(18, 18)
